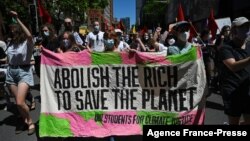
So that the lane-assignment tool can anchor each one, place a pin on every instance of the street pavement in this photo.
(214, 116)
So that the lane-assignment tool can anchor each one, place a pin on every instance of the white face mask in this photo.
(96, 28)
(46, 33)
(210, 36)
(109, 43)
(183, 36)
(171, 41)
(66, 43)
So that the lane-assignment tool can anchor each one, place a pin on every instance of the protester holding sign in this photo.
(68, 43)
(111, 41)
(94, 39)
(105, 94)
(181, 31)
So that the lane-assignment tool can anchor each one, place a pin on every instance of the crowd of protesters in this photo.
(226, 59)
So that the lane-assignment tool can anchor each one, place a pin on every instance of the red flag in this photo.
(121, 26)
(212, 25)
(145, 28)
(180, 16)
(46, 18)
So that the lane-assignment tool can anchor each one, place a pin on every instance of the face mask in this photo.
(46, 33)
(109, 43)
(96, 28)
(210, 36)
(227, 32)
(68, 28)
(66, 43)
(171, 42)
(248, 33)
(146, 37)
(122, 38)
(183, 36)
(126, 38)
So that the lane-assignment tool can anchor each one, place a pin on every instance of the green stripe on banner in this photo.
(182, 58)
(152, 118)
(51, 124)
(91, 115)
(106, 58)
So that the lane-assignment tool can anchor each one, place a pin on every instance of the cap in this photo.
(118, 30)
(181, 26)
(67, 20)
(240, 21)
(2, 45)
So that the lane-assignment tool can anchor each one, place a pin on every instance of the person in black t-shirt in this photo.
(235, 73)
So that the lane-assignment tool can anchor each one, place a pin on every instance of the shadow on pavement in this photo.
(36, 87)
(11, 120)
(213, 105)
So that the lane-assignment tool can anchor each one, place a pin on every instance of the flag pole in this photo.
(191, 24)
(37, 26)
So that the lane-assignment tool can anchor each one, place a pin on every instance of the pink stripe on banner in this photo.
(142, 57)
(83, 128)
(194, 117)
(65, 59)
(199, 53)
(128, 58)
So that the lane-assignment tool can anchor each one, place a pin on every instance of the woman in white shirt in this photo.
(19, 72)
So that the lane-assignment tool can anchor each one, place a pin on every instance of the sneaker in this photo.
(225, 123)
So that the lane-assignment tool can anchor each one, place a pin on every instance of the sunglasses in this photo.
(67, 23)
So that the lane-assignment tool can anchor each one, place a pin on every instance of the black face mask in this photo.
(68, 28)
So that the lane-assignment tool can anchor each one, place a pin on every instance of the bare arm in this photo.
(59, 50)
(234, 65)
(142, 47)
(24, 28)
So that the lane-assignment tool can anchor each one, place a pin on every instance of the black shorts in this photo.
(237, 102)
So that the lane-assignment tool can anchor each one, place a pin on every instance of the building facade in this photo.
(126, 23)
(108, 15)
(139, 14)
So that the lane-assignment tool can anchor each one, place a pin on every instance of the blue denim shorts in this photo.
(19, 74)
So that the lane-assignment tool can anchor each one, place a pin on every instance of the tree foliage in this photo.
(58, 9)
(155, 11)
(20, 6)
(73, 8)
(153, 6)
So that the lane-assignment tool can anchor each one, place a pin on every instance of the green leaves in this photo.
(58, 9)
(19, 6)
(153, 6)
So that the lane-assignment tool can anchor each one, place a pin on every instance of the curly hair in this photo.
(18, 36)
